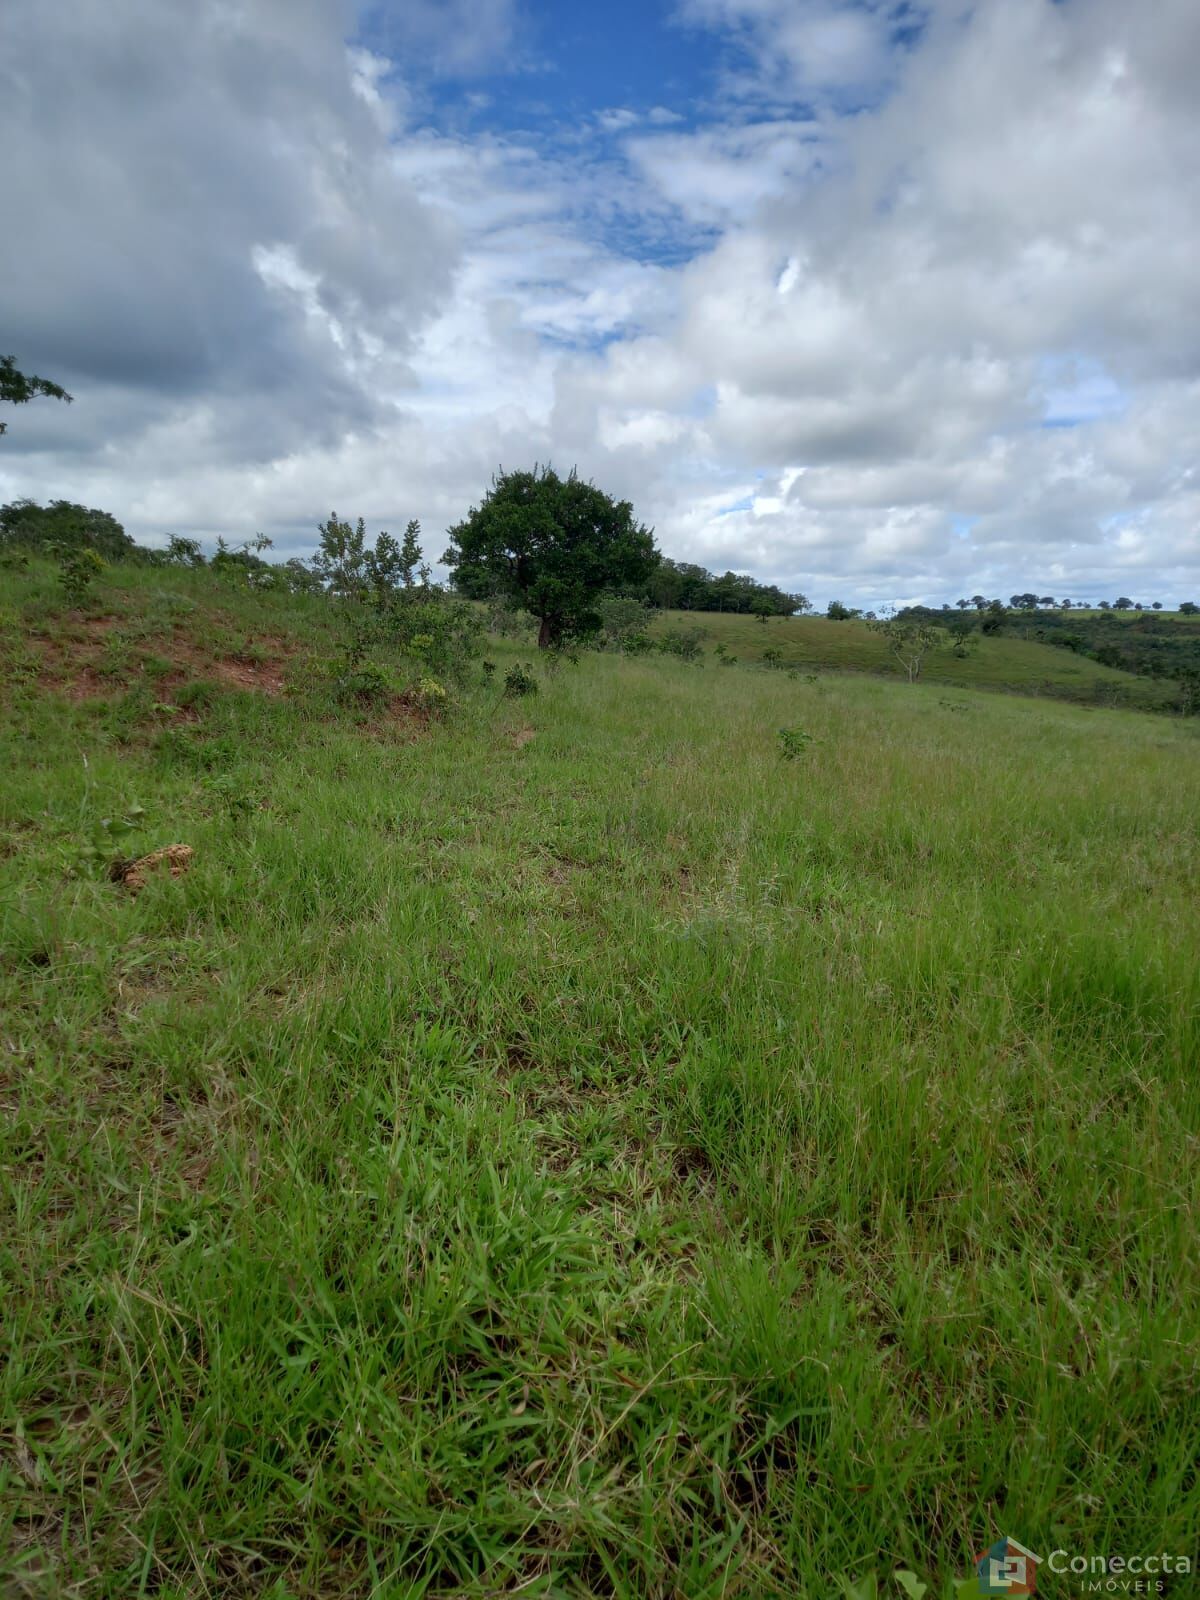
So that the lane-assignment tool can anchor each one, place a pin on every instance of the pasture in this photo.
(569, 1148)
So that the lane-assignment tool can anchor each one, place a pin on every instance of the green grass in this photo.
(612, 1162)
(1021, 666)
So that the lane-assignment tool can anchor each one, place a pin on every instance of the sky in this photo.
(879, 300)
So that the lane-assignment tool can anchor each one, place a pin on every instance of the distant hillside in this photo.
(1007, 661)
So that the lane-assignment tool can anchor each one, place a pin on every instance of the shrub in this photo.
(78, 566)
(430, 696)
(367, 683)
(793, 742)
(622, 624)
(519, 681)
(682, 642)
(183, 552)
(387, 602)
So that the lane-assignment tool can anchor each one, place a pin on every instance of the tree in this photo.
(18, 389)
(63, 524)
(552, 544)
(965, 638)
(837, 612)
(1157, 605)
(1123, 603)
(910, 641)
(1189, 608)
(763, 607)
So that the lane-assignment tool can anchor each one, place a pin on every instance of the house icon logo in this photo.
(1007, 1569)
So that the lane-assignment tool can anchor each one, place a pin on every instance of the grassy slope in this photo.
(612, 1162)
(1021, 665)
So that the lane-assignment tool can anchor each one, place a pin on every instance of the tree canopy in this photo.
(17, 388)
(63, 524)
(684, 586)
(552, 545)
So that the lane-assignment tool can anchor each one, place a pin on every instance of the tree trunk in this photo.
(544, 634)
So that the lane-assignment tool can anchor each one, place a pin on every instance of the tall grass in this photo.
(616, 1161)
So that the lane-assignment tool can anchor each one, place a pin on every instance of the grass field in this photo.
(1021, 666)
(570, 1150)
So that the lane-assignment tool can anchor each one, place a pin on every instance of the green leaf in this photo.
(910, 1583)
(861, 1589)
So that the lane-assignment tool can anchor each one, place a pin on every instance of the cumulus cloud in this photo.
(906, 309)
(1001, 245)
(208, 221)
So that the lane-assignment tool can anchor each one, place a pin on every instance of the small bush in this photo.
(431, 696)
(682, 642)
(793, 742)
(183, 553)
(367, 684)
(78, 567)
(622, 624)
(519, 681)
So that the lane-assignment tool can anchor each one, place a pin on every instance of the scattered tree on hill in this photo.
(553, 545)
(17, 389)
(964, 636)
(183, 552)
(1123, 603)
(910, 640)
(1157, 606)
(837, 612)
(1189, 608)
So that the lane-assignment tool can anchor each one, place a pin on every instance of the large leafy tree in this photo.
(552, 545)
(18, 388)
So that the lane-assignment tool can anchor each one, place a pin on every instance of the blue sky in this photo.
(878, 299)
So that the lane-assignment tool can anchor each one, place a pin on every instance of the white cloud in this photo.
(915, 253)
